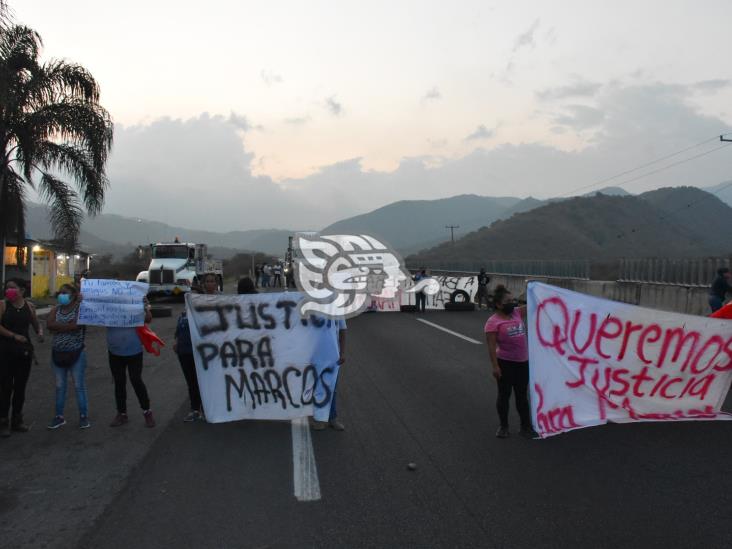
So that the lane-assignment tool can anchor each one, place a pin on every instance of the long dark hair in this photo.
(499, 293)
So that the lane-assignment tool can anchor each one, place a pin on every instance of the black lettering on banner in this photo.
(252, 323)
(207, 351)
(286, 383)
(264, 351)
(244, 384)
(308, 392)
(245, 348)
(288, 306)
(220, 310)
(317, 322)
(228, 353)
(260, 388)
(275, 384)
(271, 323)
(328, 392)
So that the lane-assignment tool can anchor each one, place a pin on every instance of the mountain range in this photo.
(408, 225)
(668, 222)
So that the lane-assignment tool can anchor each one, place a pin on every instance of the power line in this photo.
(645, 165)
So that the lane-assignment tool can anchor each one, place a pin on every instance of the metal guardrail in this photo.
(574, 269)
(682, 272)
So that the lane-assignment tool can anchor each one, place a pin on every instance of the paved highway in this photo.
(410, 392)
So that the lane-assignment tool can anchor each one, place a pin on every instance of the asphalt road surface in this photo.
(409, 393)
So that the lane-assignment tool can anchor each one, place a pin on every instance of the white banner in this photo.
(256, 358)
(594, 361)
(112, 303)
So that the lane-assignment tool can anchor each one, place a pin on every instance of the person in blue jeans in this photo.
(332, 343)
(125, 357)
(68, 355)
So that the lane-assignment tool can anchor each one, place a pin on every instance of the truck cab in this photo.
(175, 267)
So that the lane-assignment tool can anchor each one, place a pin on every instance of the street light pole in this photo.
(452, 231)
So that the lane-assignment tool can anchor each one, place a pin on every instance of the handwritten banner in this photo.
(112, 303)
(594, 361)
(256, 358)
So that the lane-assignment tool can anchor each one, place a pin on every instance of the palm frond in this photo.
(65, 214)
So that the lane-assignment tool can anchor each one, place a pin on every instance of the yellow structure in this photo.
(45, 266)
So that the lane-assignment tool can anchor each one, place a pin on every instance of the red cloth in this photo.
(724, 312)
(150, 340)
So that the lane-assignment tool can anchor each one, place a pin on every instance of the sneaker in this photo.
(320, 425)
(529, 433)
(4, 427)
(194, 415)
(502, 432)
(84, 422)
(56, 422)
(18, 426)
(336, 425)
(120, 419)
(149, 419)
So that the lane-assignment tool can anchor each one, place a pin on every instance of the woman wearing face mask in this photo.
(509, 354)
(68, 354)
(16, 353)
(183, 347)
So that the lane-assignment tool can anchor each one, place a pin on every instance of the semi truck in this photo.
(176, 267)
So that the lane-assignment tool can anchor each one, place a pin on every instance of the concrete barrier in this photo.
(665, 297)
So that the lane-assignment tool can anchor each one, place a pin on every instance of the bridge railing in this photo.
(682, 272)
(575, 269)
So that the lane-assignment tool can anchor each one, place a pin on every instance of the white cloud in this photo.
(198, 173)
(481, 132)
(270, 78)
(526, 38)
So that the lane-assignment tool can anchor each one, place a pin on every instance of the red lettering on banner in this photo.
(584, 361)
(677, 333)
(618, 377)
(602, 333)
(590, 336)
(728, 352)
(555, 420)
(558, 335)
(640, 378)
(672, 381)
(714, 340)
(643, 339)
(629, 329)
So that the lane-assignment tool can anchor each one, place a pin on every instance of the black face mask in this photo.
(508, 308)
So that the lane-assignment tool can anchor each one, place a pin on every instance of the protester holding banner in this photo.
(16, 354)
(183, 347)
(509, 354)
(68, 354)
(332, 342)
(125, 355)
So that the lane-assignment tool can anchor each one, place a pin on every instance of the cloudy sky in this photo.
(237, 115)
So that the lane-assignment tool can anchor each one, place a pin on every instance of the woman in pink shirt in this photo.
(508, 348)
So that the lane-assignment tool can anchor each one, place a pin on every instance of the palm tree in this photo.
(52, 128)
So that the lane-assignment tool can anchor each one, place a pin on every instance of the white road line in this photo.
(461, 336)
(304, 470)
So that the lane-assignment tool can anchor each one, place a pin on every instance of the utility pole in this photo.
(452, 231)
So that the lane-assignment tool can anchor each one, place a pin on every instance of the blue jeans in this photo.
(62, 377)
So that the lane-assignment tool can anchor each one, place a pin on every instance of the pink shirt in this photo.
(510, 336)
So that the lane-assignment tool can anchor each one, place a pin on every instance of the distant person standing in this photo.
(68, 355)
(720, 286)
(420, 296)
(17, 315)
(125, 357)
(508, 350)
(266, 275)
(246, 286)
(277, 271)
(257, 275)
(482, 293)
